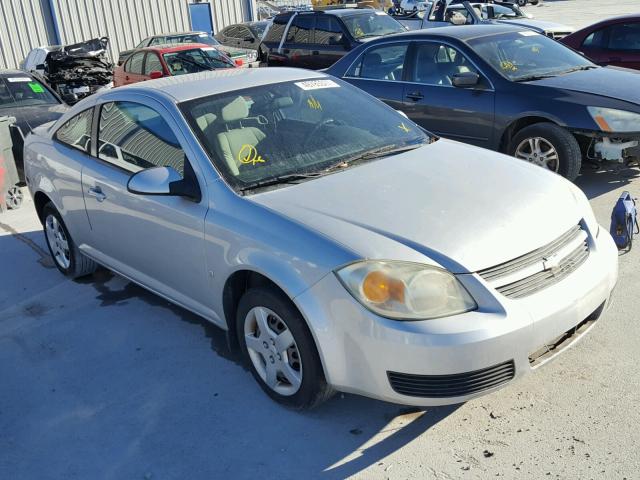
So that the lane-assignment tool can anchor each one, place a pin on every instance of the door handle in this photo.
(126, 77)
(415, 96)
(97, 192)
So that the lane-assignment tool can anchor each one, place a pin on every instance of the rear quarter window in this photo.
(76, 132)
(276, 31)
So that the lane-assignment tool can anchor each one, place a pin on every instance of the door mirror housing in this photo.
(465, 79)
(155, 74)
(163, 181)
(249, 39)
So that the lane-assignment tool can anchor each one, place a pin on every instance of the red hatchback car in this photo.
(615, 41)
(169, 60)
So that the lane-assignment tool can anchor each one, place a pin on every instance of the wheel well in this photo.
(515, 127)
(236, 285)
(40, 200)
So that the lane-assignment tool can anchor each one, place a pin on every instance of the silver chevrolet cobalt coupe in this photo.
(340, 245)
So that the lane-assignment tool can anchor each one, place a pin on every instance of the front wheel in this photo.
(279, 349)
(549, 146)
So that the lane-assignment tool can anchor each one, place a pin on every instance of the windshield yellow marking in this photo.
(249, 154)
(508, 66)
(404, 128)
(314, 104)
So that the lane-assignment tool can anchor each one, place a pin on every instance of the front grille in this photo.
(454, 385)
(541, 268)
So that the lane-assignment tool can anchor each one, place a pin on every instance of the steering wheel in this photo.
(316, 129)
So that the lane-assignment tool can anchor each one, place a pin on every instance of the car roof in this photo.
(611, 20)
(172, 47)
(13, 73)
(462, 32)
(177, 34)
(188, 87)
(338, 12)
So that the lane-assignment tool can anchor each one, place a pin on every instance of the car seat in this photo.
(231, 141)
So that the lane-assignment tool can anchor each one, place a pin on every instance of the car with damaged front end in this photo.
(340, 245)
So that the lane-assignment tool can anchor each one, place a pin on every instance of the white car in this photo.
(414, 5)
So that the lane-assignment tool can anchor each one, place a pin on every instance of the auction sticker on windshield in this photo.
(317, 84)
(18, 79)
(528, 33)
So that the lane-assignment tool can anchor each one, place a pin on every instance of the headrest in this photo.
(282, 102)
(236, 110)
(205, 120)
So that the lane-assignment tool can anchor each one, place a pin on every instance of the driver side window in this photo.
(436, 64)
(134, 137)
(381, 63)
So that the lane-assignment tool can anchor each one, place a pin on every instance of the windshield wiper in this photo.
(292, 178)
(531, 78)
(577, 69)
(371, 154)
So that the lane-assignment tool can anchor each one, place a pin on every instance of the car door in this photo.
(617, 45)
(329, 42)
(270, 46)
(297, 45)
(157, 241)
(431, 100)
(152, 63)
(133, 68)
(379, 71)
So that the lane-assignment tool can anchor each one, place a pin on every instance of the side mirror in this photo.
(155, 74)
(249, 39)
(40, 66)
(163, 181)
(465, 79)
(70, 98)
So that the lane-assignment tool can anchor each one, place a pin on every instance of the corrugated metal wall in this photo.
(24, 24)
(228, 12)
(125, 22)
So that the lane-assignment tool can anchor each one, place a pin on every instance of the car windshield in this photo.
(371, 24)
(196, 60)
(258, 28)
(24, 91)
(193, 38)
(294, 131)
(504, 12)
(526, 55)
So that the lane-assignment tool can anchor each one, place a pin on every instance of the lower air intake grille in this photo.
(455, 385)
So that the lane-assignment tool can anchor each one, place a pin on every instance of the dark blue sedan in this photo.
(507, 89)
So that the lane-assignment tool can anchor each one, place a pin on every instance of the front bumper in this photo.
(361, 351)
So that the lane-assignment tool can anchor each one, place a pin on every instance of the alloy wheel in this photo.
(539, 151)
(57, 241)
(273, 351)
(14, 198)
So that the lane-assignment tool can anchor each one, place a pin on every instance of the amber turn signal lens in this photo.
(602, 123)
(378, 287)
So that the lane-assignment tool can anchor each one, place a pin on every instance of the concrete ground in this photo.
(102, 380)
(581, 13)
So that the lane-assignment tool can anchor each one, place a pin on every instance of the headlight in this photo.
(406, 291)
(615, 121)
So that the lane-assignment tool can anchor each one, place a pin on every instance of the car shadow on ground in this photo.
(597, 182)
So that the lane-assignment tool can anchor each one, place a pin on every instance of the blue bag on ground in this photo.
(624, 221)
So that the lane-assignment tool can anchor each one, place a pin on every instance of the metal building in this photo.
(25, 24)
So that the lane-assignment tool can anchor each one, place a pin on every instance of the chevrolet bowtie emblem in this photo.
(551, 263)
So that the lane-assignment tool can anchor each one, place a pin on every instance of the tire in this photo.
(70, 261)
(569, 155)
(300, 359)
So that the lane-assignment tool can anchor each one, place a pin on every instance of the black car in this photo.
(505, 88)
(243, 35)
(317, 39)
(32, 103)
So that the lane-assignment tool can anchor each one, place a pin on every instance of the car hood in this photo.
(618, 83)
(539, 25)
(28, 118)
(463, 207)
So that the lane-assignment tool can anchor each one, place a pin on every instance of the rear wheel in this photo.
(14, 198)
(279, 349)
(66, 255)
(549, 146)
